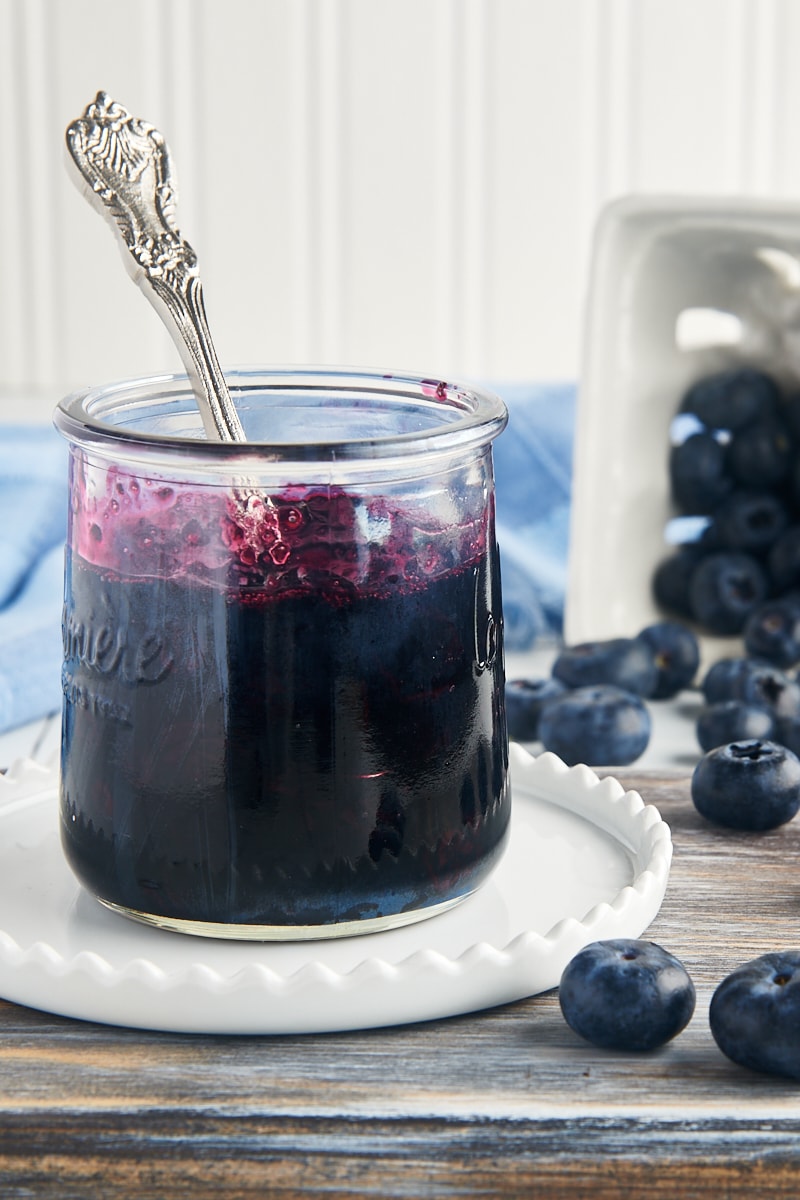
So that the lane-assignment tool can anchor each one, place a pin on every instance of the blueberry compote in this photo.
(279, 712)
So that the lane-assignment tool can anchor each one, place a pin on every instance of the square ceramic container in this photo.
(679, 288)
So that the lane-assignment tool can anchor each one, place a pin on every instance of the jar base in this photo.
(284, 933)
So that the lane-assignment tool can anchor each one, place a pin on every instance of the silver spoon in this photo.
(125, 172)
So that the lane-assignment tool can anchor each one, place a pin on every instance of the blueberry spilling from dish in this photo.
(734, 468)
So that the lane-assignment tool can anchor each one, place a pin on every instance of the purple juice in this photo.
(279, 711)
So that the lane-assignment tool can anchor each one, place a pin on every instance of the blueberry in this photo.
(727, 678)
(732, 399)
(755, 1014)
(769, 687)
(676, 655)
(725, 589)
(772, 632)
(525, 699)
(698, 478)
(783, 560)
(622, 662)
(760, 456)
(732, 721)
(626, 994)
(601, 726)
(752, 785)
(787, 732)
(748, 521)
(794, 483)
(791, 413)
(754, 681)
(671, 580)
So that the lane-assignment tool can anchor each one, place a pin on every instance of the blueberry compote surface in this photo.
(280, 714)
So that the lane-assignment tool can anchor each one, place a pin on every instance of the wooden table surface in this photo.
(502, 1103)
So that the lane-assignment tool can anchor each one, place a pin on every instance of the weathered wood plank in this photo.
(431, 1158)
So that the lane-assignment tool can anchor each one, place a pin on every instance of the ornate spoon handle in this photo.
(126, 165)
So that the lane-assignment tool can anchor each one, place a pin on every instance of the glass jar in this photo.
(283, 662)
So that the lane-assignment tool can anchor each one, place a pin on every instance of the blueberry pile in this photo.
(633, 995)
(593, 707)
(735, 481)
(742, 693)
(748, 701)
(734, 469)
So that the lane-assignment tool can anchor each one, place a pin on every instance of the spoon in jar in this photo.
(125, 171)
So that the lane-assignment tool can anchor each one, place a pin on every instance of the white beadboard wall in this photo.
(404, 183)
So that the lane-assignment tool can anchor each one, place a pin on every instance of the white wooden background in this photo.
(407, 183)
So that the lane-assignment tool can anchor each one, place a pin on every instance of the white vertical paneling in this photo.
(474, 105)
(537, 187)
(318, 168)
(34, 171)
(178, 65)
(109, 330)
(399, 182)
(160, 60)
(616, 98)
(787, 161)
(609, 86)
(739, 84)
(782, 41)
(258, 133)
(756, 91)
(588, 86)
(300, 111)
(396, 182)
(13, 263)
(179, 62)
(329, 205)
(689, 97)
(444, 275)
(459, 206)
(762, 124)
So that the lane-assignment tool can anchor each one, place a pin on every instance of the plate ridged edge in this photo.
(529, 963)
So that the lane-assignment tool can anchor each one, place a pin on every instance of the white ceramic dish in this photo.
(680, 287)
(586, 860)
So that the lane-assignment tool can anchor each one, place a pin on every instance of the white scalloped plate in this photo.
(586, 860)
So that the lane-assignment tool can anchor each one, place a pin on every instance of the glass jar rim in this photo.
(458, 416)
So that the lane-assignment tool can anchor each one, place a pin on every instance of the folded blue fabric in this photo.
(33, 510)
(533, 476)
(532, 470)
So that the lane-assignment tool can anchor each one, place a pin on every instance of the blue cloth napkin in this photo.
(532, 472)
(533, 476)
(33, 512)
